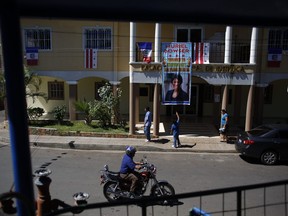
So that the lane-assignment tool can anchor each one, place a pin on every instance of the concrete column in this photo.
(228, 45)
(227, 60)
(72, 99)
(136, 102)
(156, 110)
(249, 109)
(115, 51)
(253, 57)
(216, 105)
(132, 58)
(156, 101)
(258, 105)
(225, 98)
(157, 42)
(253, 46)
(237, 102)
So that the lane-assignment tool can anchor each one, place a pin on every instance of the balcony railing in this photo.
(259, 199)
(240, 53)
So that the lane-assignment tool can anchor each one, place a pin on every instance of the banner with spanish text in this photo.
(176, 73)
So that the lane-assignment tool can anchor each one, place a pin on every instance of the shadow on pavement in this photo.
(187, 146)
(161, 141)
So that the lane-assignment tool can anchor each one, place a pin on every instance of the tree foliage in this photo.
(32, 84)
(106, 110)
(110, 103)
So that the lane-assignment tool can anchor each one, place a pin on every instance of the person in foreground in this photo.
(127, 169)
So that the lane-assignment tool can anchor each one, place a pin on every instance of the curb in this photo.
(122, 147)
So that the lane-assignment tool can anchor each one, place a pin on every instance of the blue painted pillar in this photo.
(16, 101)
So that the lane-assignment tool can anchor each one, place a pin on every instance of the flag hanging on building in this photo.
(145, 49)
(90, 58)
(274, 57)
(201, 53)
(32, 56)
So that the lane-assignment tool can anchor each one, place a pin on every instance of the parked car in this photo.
(268, 142)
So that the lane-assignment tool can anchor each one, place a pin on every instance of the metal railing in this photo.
(240, 52)
(258, 199)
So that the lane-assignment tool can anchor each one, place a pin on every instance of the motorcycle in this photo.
(115, 188)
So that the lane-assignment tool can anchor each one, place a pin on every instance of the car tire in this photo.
(269, 157)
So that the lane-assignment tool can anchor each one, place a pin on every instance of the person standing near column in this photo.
(147, 124)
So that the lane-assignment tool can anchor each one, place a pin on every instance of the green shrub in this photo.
(59, 113)
(34, 113)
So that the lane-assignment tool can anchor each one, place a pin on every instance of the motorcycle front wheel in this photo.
(110, 192)
(162, 189)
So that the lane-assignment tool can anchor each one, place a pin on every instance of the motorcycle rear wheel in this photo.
(163, 189)
(110, 193)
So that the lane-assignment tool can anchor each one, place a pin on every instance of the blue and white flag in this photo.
(32, 56)
(274, 57)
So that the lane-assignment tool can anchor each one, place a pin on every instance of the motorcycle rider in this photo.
(127, 169)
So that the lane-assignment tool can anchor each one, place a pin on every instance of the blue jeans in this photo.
(147, 132)
(176, 140)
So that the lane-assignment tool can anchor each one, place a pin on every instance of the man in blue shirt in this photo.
(147, 124)
(127, 169)
(224, 126)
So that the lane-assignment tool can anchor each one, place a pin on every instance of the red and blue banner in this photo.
(274, 57)
(32, 56)
(90, 58)
(145, 49)
(201, 53)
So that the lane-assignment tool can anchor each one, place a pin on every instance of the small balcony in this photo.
(240, 57)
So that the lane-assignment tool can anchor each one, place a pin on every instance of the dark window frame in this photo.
(56, 90)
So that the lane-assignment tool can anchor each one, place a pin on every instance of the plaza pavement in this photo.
(205, 140)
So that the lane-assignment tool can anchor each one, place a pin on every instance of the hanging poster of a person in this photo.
(176, 73)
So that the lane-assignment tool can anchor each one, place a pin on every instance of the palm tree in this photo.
(32, 84)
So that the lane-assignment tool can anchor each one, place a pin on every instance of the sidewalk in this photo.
(203, 144)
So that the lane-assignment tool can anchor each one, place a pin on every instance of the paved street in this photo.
(77, 170)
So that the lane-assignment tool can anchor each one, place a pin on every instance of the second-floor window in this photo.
(189, 35)
(38, 37)
(98, 38)
(278, 38)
